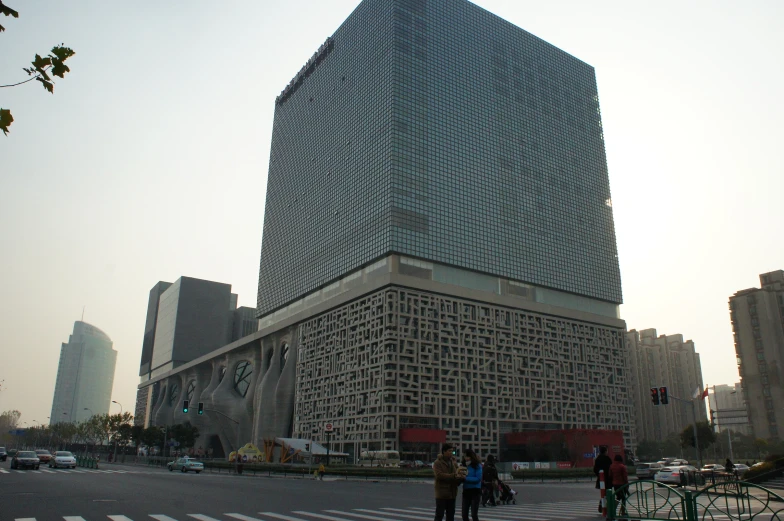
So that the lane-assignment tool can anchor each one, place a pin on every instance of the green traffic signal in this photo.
(185, 406)
(201, 408)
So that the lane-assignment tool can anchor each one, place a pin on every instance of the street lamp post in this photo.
(115, 434)
(36, 432)
(694, 425)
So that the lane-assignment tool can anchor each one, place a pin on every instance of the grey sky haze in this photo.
(150, 160)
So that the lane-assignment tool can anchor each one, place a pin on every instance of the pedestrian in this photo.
(447, 479)
(322, 470)
(729, 467)
(489, 481)
(619, 478)
(602, 462)
(472, 486)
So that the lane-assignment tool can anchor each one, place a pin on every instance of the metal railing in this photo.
(725, 501)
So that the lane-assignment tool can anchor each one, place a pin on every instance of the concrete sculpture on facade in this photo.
(248, 393)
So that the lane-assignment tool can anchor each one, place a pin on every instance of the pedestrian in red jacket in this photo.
(619, 478)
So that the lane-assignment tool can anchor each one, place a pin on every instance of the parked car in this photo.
(44, 456)
(12, 452)
(710, 468)
(62, 459)
(25, 459)
(185, 464)
(3, 454)
(672, 474)
(420, 464)
(740, 468)
(647, 470)
(404, 464)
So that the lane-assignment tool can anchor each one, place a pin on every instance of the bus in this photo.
(379, 458)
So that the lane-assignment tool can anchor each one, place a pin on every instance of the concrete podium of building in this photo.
(438, 259)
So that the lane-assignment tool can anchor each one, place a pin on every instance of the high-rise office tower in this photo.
(757, 316)
(85, 375)
(187, 319)
(438, 258)
(438, 219)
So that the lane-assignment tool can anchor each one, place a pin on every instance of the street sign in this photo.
(16, 432)
(328, 427)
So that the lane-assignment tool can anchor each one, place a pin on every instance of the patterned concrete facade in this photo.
(391, 354)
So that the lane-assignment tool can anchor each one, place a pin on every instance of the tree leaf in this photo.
(62, 53)
(5, 119)
(39, 64)
(48, 85)
(59, 68)
(8, 11)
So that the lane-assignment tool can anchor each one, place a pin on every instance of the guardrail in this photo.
(727, 501)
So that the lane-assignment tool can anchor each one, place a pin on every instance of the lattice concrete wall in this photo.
(472, 368)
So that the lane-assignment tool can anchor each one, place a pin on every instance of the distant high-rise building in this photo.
(757, 317)
(85, 375)
(728, 409)
(663, 361)
(185, 320)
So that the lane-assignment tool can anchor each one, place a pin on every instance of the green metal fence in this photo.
(731, 501)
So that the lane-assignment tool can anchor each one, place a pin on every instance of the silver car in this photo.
(62, 459)
(672, 474)
(647, 470)
(185, 464)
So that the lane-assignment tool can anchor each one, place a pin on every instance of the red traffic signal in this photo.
(655, 395)
(665, 399)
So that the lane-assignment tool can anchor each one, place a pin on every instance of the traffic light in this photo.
(655, 395)
(201, 407)
(185, 406)
(663, 396)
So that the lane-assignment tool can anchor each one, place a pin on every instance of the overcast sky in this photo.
(150, 160)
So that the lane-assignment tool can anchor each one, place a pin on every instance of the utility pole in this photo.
(718, 418)
(694, 425)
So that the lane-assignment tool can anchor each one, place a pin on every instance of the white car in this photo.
(672, 474)
(62, 459)
(185, 464)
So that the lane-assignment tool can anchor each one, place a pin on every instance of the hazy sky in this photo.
(150, 160)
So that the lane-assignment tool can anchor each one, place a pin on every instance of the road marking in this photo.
(3, 471)
(47, 471)
(281, 516)
(374, 518)
(407, 515)
(161, 517)
(119, 518)
(24, 519)
(322, 516)
(202, 518)
(74, 518)
(242, 517)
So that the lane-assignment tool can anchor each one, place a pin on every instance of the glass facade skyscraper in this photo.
(438, 260)
(435, 129)
(85, 375)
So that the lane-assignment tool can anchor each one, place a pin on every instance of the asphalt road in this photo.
(134, 493)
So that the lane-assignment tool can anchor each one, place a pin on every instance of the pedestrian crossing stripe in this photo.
(520, 512)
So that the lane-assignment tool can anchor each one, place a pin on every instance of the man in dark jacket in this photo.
(602, 462)
(448, 478)
(489, 481)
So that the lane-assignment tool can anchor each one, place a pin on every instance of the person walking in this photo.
(602, 462)
(489, 481)
(472, 486)
(729, 467)
(619, 478)
(322, 470)
(447, 479)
